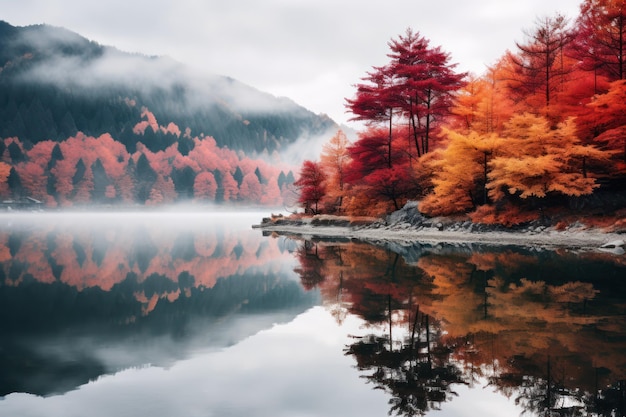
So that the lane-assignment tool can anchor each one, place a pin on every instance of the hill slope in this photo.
(82, 123)
(54, 82)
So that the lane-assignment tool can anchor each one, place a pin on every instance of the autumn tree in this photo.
(396, 185)
(205, 186)
(230, 189)
(540, 67)
(5, 170)
(32, 178)
(375, 103)
(424, 83)
(416, 87)
(334, 160)
(600, 38)
(483, 104)
(537, 161)
(250, 188)
(461, 173)
(162, 192)
(606, 124)
(312, 186)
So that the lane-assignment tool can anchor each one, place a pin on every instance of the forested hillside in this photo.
(83, 123)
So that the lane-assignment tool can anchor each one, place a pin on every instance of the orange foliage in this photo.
(333, 160)
(460, 173)
(507, 215)
(538, 160)
(5, 170)
(609, 120)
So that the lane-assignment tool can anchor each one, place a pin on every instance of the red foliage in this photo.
(600, 38)
(205, 186)
(312, 186)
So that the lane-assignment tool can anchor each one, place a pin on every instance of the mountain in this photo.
(82, 123)
(54, 83)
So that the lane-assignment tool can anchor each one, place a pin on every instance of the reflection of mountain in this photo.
(544, 328)
(78, 300)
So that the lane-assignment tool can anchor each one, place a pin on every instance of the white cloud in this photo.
(311, 51)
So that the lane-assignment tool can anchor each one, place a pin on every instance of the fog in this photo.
(66, 65)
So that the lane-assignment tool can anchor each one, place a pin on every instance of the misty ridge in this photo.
(56, 87)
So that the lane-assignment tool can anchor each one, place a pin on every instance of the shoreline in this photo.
(377, 234)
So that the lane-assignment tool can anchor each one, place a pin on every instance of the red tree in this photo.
(540, 67)
(312, 186)
(423, 87)
(205, 186)
(600, 38)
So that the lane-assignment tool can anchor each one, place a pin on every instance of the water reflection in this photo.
(545, 329)
(82, 295)
(175, 314)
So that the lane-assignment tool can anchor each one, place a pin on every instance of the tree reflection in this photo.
(419, 376)
(130, 285)
(543, 329)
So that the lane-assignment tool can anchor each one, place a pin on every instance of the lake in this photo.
(194, 313)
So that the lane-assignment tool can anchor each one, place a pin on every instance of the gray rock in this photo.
(614, 244)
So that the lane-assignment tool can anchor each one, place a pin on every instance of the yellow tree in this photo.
(538, 160)
(461, 173)
(333, 160)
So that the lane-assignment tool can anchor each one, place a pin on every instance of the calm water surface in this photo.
(197, 314)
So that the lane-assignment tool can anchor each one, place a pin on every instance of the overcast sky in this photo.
(312, 51)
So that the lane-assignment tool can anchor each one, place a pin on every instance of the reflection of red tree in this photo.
(503, 330)
(83, 263)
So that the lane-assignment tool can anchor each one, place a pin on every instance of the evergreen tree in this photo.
(80, 172)
(238, 176)
(262, 180)
(15, 184)
(145, 177)
(183, 182)
(219, 193)
(16, 154)
(100, 181)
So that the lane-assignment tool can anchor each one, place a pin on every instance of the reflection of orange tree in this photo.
(525, 322)
(533, 329)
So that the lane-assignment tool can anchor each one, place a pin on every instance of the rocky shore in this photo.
(407, 226)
